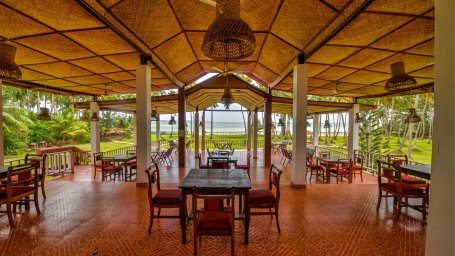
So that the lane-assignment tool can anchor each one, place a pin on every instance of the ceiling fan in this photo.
(210, 2)
(226, 71)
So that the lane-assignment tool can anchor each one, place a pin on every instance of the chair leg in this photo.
(42, 188)
(271, 214)
(424, 208)
(159, 212)
(379, 199)
(152, 210)
(361, 177)
(35, 197)
(10, 215)
(276, 219)
(232, 243)
(400, 202)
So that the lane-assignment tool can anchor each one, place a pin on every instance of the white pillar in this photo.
(134, 130)
(143, 114)
(248, 142)
(299, 126)
(95, 129)
(315, 130)
(196, 134)
(203, 131)
(158, 132)
(441, 227)
(255, 134)
(353, 134)
(2, 154)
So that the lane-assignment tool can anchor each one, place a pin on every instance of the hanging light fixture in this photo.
(172, 121)
(280, 122)
(309, 116)
(227, 98)
(228, 37)
(358, 118)
(154, 116)
(94, 117)
(327, 124)
(44, 111)
(8, 66)
(399, 80)
(84, 117)
(413, 117)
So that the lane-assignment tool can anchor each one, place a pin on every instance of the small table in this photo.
(216, 179)
(331, 160)
(419, 170)
(231, 159)
(4, 175)
(123, 158)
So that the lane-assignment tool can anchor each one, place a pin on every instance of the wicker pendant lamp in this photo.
(280, 122)
(172, 121)
(413, 117)
(43, 114)
(228, 37)
(358, 118)
(399, 80)
(8, 67)
(227, 98)
(154, 116)
(327, 124)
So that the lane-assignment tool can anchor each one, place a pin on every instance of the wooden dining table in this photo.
(214, 181)
(419, 170)
(331, 160)
(123, 158)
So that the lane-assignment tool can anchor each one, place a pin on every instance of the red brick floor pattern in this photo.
(83, 217)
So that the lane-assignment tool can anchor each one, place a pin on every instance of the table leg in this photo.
(183, 218)
(247, 216)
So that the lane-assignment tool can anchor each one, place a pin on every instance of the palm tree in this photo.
(65, 125)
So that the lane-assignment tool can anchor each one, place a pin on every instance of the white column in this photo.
(315, 130)
(95, 129)
(196, 134)
(441, 227)
(255, 134)
(248, 142)
(134, 130)
(143, 114)
(299, 126)
(203, 130)
(2, 154)
(158, 132)
(353, 134)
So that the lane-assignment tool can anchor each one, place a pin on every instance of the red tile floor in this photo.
(82, 216)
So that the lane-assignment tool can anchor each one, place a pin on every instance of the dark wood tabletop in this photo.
(4, 169)
(217, 179)
(419, 170)
(123, 157)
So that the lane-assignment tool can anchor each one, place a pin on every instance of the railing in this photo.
(60, 162)
(333, 151)
(118, 151)
(13, 162)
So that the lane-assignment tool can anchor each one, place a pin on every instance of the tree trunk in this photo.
(411, 128)
(430, 132)
(422, 118)
(288, 126)
(211, 124)
(244, 123)
(191, 125)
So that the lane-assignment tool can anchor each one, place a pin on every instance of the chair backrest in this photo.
(223, 152)
(41, 159)
(310, 160)
(218, 163)
(200, 161)
(387, 172)
(274, 180)
(97, 157)
(213, 203)
(397, 159)
(358, 160)
(153, 176)
(27, 175)
(344, 164)
(107, 161)
(209, 152)
(324, 154)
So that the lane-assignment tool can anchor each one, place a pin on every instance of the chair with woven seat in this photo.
(96, 163)
(390, 182)
(314, 168)
(164, 198)
(109, 169)
(343, 169)
(218, 163)
(41, 160)
(405, 178)
(246, 167)
(214, 219)
(265, 199)
(131, 164)
(19, 189)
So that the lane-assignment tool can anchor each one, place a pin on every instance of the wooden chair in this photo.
(108, 168)
(343, 169)
(265, 199)
(246, 167)
(357, 166)
(131, 164)
(41, 161)
(97, 163)
(213, 219)
(218, 163)
(314, 168)
(20, 188)
(164, 198)
(403, 159)
(390, 182)
(201, 166)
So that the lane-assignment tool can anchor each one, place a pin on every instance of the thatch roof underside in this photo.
(209, 93)
(83, 47)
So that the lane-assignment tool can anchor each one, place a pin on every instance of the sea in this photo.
(218, 127)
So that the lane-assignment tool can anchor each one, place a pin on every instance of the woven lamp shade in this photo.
(44, 114)
(8, 68)
(228, 37)
(399, 80)
(226, 99)
(413, 117)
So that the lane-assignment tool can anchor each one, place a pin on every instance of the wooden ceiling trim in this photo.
(330, 6)
(111, 21)
(421, 16)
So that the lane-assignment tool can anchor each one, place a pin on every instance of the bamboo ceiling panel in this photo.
(126, 61)
(414, 7)
(120, 76)
(156, 73)
(263, 73)
(100, 41)
(109, 3)
(335, 73)
(426, 48)
(365, 77)
(96, 65)
(153, 21)
(176, 53)
(194, 15)
(332, 54)
(88, 80)
(60, 15)
(25, 55)
(191, 73)
(276, 54)
(31, 75)
(299, 21)
(59, 69)
(365, 58)
(58, 83)
(412, 62)
(15, 24)
(426, 72)
(258, 13)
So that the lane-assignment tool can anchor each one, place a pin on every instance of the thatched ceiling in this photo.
(83, 46)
